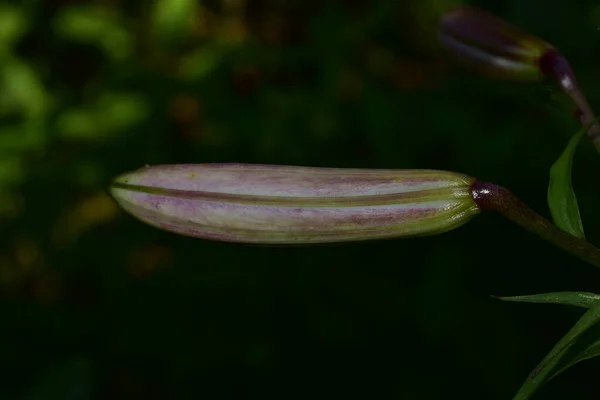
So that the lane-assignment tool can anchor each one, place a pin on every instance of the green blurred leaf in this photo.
(112, 113)
(171, 18)
(12, 170)
(22, 87)
(200, 63)
(561, 197)
(543, 371)
(118, 111)
(13, 25)
(95, 26)
(78, 124)
(29, 135)
(579, 299)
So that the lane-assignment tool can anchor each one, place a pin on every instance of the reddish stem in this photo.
(490, 196)
(553, 64)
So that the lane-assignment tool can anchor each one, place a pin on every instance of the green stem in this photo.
(493, 197)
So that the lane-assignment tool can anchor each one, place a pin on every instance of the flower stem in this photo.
(553, 64)
(490, 196)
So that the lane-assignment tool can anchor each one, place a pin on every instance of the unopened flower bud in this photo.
(269, 204)
(492, 46)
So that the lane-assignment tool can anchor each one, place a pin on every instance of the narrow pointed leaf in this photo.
(591, 351)
(547, 366)
(561, 197)
(578, 299)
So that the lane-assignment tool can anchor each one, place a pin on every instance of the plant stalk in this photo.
(553, 64)
(490, 196)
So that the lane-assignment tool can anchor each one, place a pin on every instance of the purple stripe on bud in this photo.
(293, 205)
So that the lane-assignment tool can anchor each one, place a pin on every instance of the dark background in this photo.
(96, 305)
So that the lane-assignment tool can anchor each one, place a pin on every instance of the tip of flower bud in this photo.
(492, 46)
(269, 204)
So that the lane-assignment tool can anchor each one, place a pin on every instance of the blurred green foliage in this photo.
(98, 305)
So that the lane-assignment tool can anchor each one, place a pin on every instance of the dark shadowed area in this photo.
(96, 305)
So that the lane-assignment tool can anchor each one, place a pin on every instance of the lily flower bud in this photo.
(269, 204)
(492, 46)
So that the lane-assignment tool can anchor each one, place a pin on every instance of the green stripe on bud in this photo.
(270, 204)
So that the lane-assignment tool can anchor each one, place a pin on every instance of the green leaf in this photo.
(579, 299)
(591, 351)
(561, 197)
(543, 371)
